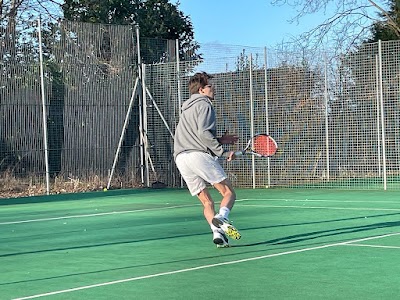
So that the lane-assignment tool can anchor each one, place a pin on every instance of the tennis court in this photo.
(155, 244)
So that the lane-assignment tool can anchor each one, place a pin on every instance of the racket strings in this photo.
(264, 145)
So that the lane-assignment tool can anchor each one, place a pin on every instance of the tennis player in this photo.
(196, 150)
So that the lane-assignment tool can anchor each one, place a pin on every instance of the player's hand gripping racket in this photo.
(261, 145)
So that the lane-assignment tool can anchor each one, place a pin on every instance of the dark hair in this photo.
(198, 81)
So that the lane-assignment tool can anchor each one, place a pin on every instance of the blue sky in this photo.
(251, 23)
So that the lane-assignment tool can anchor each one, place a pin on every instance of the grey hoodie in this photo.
(196, 130)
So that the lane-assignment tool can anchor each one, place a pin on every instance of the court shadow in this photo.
(195, 259)
(283, 242)
(297, 238)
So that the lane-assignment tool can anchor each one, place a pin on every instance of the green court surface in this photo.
(155, 244)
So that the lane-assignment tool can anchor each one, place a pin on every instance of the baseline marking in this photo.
(317, 200)
(373, 246)
(204, 267)
(192, 205)
(323, 207)
(94, 215)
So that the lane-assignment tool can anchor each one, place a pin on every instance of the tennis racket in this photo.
(261, 145)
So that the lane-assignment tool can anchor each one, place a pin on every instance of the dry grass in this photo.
(13, 187)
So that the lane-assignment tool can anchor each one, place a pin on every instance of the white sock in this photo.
(224, 212)
(214, 228)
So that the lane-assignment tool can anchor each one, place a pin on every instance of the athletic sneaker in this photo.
(226, 226)
(220, 239)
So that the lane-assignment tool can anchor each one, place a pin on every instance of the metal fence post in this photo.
(267, 112)
(44, 111)
(326, 118)
(382, 116)
(252, 117)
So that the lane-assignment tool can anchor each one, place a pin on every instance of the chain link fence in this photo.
(89, 106)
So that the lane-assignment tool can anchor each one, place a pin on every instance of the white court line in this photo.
(323, 207)
(203, 267)
(374, 246)
(318, 200)
(190, 205)
(94, 215)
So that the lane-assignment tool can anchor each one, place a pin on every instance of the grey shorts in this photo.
(197, 168)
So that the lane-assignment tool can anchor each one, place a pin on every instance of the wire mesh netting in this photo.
(324, 111)
(21, 135)
(336, 119)
(96, 67)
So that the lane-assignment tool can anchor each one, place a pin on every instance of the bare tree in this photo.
(15, 9)
(16, 15)
(347, 22)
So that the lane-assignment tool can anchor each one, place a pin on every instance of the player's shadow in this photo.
(301, 237)
(280, 241)
(286, 240)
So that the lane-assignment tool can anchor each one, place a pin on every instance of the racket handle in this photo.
(239, 153)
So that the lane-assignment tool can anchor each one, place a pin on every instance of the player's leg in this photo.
(221, 220)
(208, 204)
(219, 237)
(228, 194)
(190, 166)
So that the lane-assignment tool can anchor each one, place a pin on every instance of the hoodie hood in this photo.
(194, 99)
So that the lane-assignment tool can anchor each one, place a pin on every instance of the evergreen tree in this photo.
(155, 18)
(389, 28)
